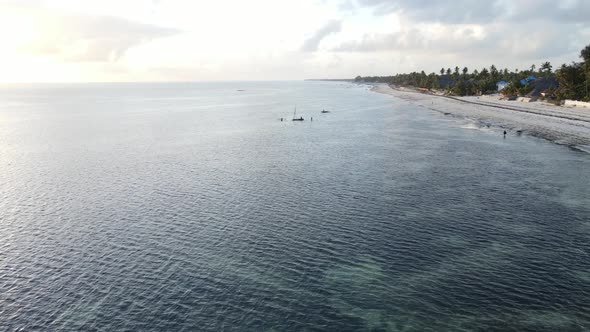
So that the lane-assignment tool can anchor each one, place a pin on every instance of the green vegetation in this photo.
(568, 82)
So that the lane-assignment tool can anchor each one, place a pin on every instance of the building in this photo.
(501, 85)
(528, 80)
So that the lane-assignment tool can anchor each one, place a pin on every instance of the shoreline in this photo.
(558, 124)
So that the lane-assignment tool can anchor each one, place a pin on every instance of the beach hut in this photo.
(501, 85)
(528, 80)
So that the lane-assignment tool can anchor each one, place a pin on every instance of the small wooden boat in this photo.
(295, 118)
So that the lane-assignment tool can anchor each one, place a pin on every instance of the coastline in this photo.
(562, 125)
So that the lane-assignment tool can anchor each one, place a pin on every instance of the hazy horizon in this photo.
(351, 79)
(262, 40)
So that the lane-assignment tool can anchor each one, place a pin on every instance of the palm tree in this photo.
(448, 71)
(484, 73)
(434, 80)
(533, 68)
(546, 66)
(494, 72)
(442, 71)
(465, 71)
(585, 54)
(456, 73)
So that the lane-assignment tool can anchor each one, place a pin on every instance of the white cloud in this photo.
(311, 44)
(114, 40)
(76, 37)
(479, 12)
(438, 33)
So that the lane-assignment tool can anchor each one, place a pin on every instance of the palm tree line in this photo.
(571, 81)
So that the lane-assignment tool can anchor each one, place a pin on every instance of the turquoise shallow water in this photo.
(193, 207)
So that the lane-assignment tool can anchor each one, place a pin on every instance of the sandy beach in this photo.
(563, 125)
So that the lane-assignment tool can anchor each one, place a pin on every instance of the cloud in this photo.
(85, 38)
(460, 41)
(311, 44)
(65, 40)
(435, 10)
(450, 38)
(492, 31)
(468, 11)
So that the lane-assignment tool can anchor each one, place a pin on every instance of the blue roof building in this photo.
(528, 80)
(501, 85)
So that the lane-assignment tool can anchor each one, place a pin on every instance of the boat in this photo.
(295, 118)
(324, 111)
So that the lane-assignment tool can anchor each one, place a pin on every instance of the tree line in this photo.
(567, 82)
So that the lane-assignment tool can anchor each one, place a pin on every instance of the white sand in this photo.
(563, 125)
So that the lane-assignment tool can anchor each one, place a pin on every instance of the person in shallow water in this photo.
(504, 133)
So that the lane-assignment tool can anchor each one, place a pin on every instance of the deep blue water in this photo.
(191, 207)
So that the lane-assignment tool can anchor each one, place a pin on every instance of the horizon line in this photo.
(172, 81)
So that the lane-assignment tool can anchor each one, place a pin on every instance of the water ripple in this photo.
(171, 215)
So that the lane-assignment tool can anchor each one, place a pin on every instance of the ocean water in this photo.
(192, 207)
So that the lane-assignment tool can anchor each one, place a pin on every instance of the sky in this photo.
(198, 40)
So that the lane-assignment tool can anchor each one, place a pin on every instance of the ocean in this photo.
(193, 207)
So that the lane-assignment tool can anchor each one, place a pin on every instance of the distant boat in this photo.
(324, 111)
(295, 118)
